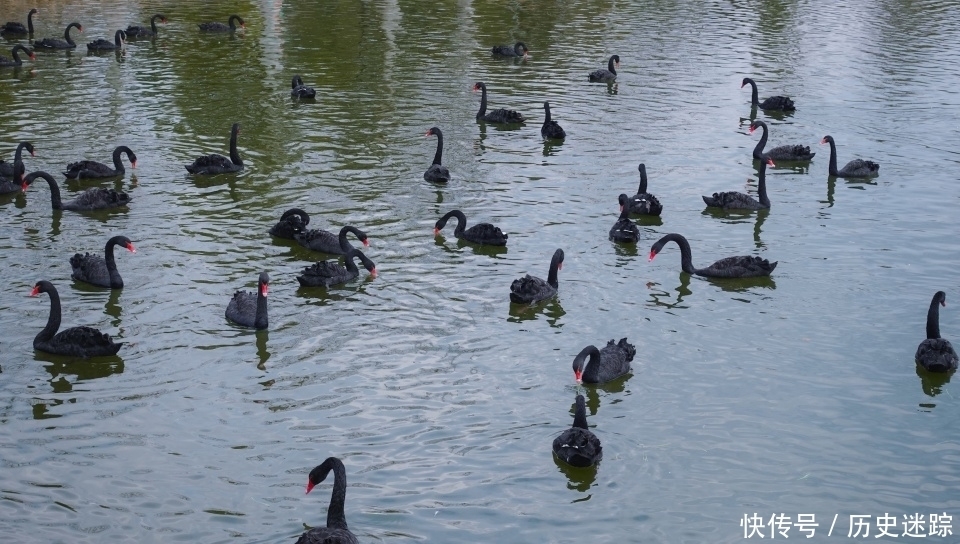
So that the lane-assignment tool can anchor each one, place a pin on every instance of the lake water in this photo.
(796, 395)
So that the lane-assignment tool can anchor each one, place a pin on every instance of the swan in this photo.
(299, 90)
(733, 200)
(774, 103)
(106, 45)
(137, 31)
(218, 164)
(94, 169)
(16, 27)
(518, 50)
(936, 354)
(610, 74)
(91, 199)
(220, 27)
(605, 364)
(642, 203)
(14, 171)
(481, 233)
(292, 222)
(857, 168)
(781, 153)
(330, 273)
(501, 115)
(249, 309)
(624, 230)
(328, 242)
(336, 531)
(731, 267)
(530, 289)
(551, 129)
(437, 172)
(96, 270)
(15, 60)
(54, 43)
(75, 341)
(578, 446)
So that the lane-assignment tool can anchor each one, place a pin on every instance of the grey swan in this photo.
(936, 354)
(75, 341)
(780, 153)
(734, 200)
(299, 90)
(551, 130)
(774, 103)
(328, 242)
(517, 50)
(578, 446)
(16, 28)
(605, 364)
(437, 172)
(138, 31)
(730, 267)
(530, 289)
(857, 168)
(15, 60)
(218, 164)
(336, 531)
(93, 169)
(250, 309)
(609, 75)
(220, 27)
(642, 203)
(624, 230)
(330, 273)
(12, 174)
(98, 270)
(481, 233)
(106, 45)
(292, 222)
(91, 199)
(54, 43)
(502, 115)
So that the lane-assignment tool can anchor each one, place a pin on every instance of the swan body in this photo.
(98, 270)
(609, 75)
(781, 153)
(220, 27)
(731, 267)
(481, 233)
(328, 242)
(857, 168)
(106, 45)
(137, 31)
(624, 230)
(530, 289)
(437, 173)
(11, 174)
(774, 103)
(502, 116)
(15, 59)
(250, 309)
(91, 199)
(299, 90)
(16, 28)
(518, 50)
(578, 446)
(218, 164)
(94, 169)
(75, 341)
(54, 43)
(551, 130)
(292, 222)
(605, 364)
(336, 531)
(642, 203)
(734, 200)
(936, 354)
(330, 273)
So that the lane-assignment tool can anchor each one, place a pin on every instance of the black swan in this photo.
(551, 129)
(733, 200)
(299, 90)
(857, 168)
(97, 270)
(642, 203)
(936, 354)
(54, 43)
(781, 153)
(15, 60)
(106, 45)
(731, 267)
(624, 230)
(496, 116)
(328, 242)
(610, 74)
(605, 364)
(220, 27)
(75, 341)
(218, 164)
(16, 27)
(518, 50)
(530, 289)
(437, 172)
(91, 199)
(330, 273)
(94, 169)
(578, 446)
(137, 31)
(336, 531)
(249, 309)
(481, 233)
(15, 171)
(774, 103)
(292, 222)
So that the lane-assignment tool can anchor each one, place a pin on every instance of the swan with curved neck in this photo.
(642, 203)
(730, 267)
(481, 233)
(551, 130)
(501, 115)
(218, 164)
(138, 31)
(437, 173)
(327, 242)
(17, 28)
(93, 169)
(66, 43)
(774, 103)
(292, 222)
(249, 309)
(530, 289)
(578, 446)
(98, 270)
(735, 200)
(15, 59)
(91, 199)
(75, 341)
(106, 45)
(936, 354)
(336, 531)
(605, 364)
(517, 50)
(609, 75)
(220, 27)
(330, 273)
(780, 153)
(857, 168)
(12, 174)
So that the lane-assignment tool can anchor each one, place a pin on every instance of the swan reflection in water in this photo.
(550, 309)
(932, 382)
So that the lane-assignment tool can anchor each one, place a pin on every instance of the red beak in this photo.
(133, 164)
(770, 162)
(752, 129)
(373, 273)
(35, 291)
(652, 255)
(264, 289)
(560, 266)
(436, 231)
(24, 186)
(309, 486)
(366, 243)
(577, 374)
(131, 248)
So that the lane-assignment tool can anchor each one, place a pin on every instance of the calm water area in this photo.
(795, 394)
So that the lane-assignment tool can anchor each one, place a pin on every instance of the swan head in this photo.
(755, 125)
(479, 86)
(264, 284)
(653, 255)
(826, 140)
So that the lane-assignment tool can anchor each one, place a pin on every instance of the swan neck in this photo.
(348, 261)
(758, 150)
(53, 321)
(833, 158)
(30, 22)
(335, 517)
(580, 416)
(18, 155)
(591, 371)
(611, 67)
(483, 102)
(260, 321)
(234, 155)
(461, 222)
(552, 276)
(153, 23)
(643, 181)
(762, 184)
(54, 189)
(754, 96)
(546, 119)
(16, 59)
(117, 163)
(686, 255)
(66, 35)
(439, 154)
(115, 280)
(933, 319)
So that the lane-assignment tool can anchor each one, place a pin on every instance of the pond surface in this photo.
(796, 394)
